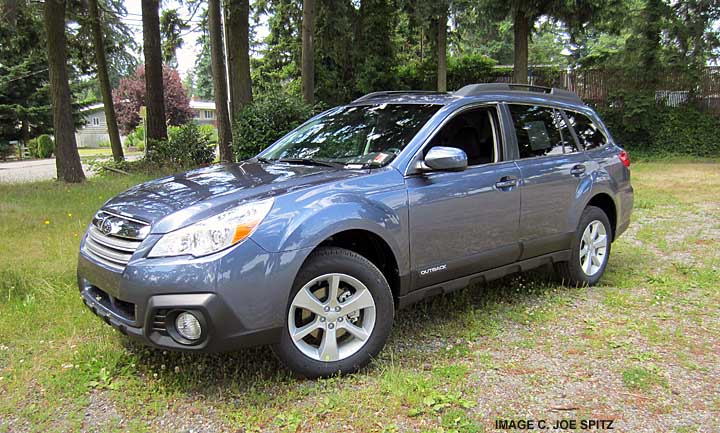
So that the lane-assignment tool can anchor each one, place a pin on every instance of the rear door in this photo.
(552, 169)
(465, 222)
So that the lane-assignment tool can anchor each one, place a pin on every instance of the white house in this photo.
(94, 131)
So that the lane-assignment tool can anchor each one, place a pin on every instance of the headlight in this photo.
(215, 233)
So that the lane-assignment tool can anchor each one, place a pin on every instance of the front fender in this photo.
(307, 219)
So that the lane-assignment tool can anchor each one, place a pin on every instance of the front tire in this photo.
(590, 250)
(338, 317)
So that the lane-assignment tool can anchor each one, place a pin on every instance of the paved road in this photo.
(34, 170)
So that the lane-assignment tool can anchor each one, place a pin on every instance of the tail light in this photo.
(625, 158)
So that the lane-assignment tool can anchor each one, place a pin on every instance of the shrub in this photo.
(638, 123)
(461, 70)
(6, 149)
(266, 120)
(41, 147)
(186, 146)
(136, 138)
(210, 131)
(46, 147)
(32, 147)
(104, 143)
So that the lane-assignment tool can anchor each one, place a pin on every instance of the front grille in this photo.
(126, 310)
(112, 239)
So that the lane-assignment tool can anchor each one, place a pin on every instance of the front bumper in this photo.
(240, 295)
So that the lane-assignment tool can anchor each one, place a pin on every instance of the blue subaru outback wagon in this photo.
(313, 244)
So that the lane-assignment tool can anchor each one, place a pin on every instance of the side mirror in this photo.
(446, 159)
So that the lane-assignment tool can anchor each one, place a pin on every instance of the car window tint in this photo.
(588, 133)
(537, 131)
(473, 131)
(569, 144)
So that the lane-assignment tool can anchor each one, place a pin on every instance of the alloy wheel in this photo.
(593, 248)
(331, 317)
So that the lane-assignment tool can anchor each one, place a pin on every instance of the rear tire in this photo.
(590, 249)
(338, 317)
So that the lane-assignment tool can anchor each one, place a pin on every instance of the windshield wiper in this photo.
(264, 160)
(310, 161)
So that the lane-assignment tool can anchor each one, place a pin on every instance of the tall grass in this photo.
(41, 225)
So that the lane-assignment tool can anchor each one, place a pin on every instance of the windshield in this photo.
(368, 135)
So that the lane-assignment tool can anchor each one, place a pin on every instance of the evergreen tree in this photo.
(202, 72)
(156, 129)
(67, 158)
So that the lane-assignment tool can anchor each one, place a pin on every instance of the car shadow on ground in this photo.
(421, 331)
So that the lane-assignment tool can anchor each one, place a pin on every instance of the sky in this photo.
(188, 53)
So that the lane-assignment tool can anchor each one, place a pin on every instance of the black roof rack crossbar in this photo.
(396, 92)
(477, 89)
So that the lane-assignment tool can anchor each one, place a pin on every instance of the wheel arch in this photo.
(371, 245)
(606, 203)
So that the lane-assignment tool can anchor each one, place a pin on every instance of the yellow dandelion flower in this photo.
(47, 222)
(69, 215)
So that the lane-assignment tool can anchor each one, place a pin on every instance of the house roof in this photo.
(93, 107)
(202, 105)
(197, 105)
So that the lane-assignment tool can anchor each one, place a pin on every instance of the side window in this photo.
(537, 130)
(589, 135)
(569, 143)
(474, 131)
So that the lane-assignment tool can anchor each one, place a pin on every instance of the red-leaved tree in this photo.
(130, 96)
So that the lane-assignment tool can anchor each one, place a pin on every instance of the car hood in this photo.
(196, 193)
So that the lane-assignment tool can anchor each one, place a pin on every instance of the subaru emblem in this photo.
(106, 226)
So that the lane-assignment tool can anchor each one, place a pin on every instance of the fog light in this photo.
(188, 326)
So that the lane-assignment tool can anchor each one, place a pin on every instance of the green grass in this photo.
(642, 378)
(453, 364)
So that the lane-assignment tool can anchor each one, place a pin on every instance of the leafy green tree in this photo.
(376, 55)
(202, 72)
(172, 27)
(576, 14)
(279, 65)
(335, 51)
(118, 38)
(24, 93)
(693, 40)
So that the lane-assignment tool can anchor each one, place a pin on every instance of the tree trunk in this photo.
(238, 53)
(67, 159)
(442, 53)
(156, 128)
(521, 28)
(308, 51)
(217, 55)
(105, 88)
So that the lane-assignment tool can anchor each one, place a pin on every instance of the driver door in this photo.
(468, 221)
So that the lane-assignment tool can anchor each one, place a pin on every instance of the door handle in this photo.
(578, 170)
(506, 182)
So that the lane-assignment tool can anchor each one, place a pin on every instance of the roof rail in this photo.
(396, 92)
(477, 89)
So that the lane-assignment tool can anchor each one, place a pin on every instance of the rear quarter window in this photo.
(537, 130)
(588, 132)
